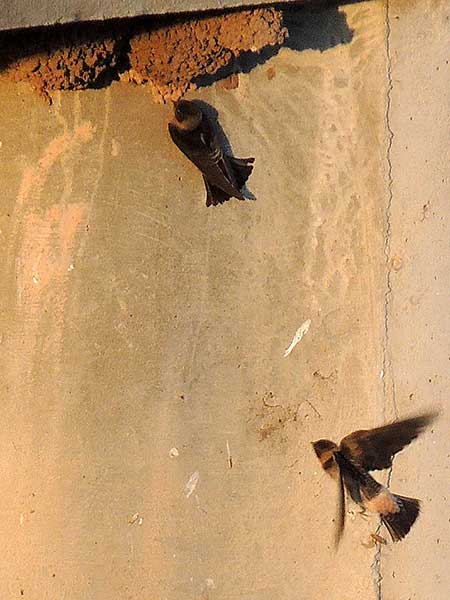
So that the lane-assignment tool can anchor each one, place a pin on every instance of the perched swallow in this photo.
(368, 450)
(194, 134)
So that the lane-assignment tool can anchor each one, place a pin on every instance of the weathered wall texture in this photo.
(419, 302)
(143, 335)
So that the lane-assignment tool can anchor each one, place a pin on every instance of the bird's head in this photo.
(322, 447)
(188, 115)
(325, 450)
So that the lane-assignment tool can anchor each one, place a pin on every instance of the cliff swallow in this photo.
(194, 133)
(368, 450)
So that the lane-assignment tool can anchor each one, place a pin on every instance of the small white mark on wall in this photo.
(299, 334)
(230, 458)
(115, 148)
(135, 519)
(192, 483)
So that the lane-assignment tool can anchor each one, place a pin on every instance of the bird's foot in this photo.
(353, 513)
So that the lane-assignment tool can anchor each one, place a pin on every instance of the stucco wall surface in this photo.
(155, 440)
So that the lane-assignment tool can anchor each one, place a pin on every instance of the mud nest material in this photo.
(61, 60)
(170, 57)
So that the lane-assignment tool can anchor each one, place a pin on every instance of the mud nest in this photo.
(169, 56)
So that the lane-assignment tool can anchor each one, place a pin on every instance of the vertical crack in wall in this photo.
(387, 373)
(388, 379)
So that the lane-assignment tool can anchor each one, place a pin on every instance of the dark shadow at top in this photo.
(224, 142)
(316, 28)
(320, 27)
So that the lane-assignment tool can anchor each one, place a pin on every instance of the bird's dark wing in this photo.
(340, 515)
(374, 448)
(202, 148)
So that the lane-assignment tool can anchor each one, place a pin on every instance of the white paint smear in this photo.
(230, 460)
(192, 483)
(301, 331)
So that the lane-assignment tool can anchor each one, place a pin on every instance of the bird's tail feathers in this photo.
(398, 524)
(242, 168)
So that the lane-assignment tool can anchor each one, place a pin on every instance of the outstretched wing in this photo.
(340, 515)
(202, 148)
(374, 448)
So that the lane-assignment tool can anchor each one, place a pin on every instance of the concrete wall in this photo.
(419, 324)
(143, 335)
(32, 13)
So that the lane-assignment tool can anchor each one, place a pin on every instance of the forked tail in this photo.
(399, 523)
(242, 167)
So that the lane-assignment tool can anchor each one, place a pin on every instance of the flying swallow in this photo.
(194, 133)
(368, 450)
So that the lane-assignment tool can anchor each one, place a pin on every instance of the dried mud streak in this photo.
(170, 57)
(387, 362)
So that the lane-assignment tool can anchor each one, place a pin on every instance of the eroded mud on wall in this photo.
(61, 59)
(169, 55)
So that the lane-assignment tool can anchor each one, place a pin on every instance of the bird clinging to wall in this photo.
(194, 134)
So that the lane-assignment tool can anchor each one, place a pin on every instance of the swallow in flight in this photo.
(368, 450)
(195, 135)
